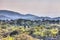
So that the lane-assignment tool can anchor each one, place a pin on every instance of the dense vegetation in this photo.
(11, 32)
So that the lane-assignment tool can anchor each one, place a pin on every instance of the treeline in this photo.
(25, 23)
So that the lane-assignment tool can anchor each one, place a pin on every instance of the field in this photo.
(11, 32)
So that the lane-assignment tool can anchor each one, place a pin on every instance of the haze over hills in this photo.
(16, 15)
(11, 15)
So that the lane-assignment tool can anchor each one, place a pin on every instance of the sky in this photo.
(49, 8)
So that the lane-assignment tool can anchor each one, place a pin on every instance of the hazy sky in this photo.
(37, 7)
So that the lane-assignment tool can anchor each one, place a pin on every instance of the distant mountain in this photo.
(2, 17)
(15, 15)
(31, 17)
(8, 15)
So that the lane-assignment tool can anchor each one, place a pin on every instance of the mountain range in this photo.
(11, 15)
